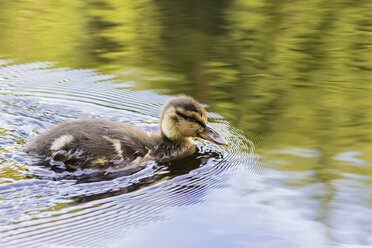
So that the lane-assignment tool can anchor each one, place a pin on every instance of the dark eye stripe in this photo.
(182, 115)
(188, 118)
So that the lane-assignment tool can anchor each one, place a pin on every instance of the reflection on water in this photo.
(290, 78)
(41, 205)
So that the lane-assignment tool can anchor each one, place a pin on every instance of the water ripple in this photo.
(45, 207)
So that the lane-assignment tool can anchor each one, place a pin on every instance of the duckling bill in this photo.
(93, 143)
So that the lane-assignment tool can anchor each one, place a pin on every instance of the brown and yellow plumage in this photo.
(93, 143)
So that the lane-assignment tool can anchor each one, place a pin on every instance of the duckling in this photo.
(94, 143)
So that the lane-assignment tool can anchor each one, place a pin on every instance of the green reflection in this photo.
(296, 73)
(11, 171)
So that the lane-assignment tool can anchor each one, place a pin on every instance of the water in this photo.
(287, 83)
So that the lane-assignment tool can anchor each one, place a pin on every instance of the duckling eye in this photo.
(191, 118)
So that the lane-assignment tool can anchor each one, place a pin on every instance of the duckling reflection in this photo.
(93, 143)
(166, 171)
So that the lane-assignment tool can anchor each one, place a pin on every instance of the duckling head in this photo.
(183, 117)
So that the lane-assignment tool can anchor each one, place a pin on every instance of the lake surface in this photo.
(287, 83)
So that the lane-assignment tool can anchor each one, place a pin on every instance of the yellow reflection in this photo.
(296, 73)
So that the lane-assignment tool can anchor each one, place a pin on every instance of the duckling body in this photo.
(93, 143)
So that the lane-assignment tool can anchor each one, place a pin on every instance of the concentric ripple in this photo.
(40, 207)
